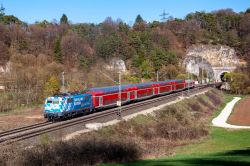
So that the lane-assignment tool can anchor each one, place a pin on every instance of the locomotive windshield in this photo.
(54, 101)
(49, 101)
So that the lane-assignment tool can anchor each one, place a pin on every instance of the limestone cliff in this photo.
(216, 55)
(209, 58)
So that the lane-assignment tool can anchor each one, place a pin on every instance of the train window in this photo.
(86, 98)
(55, 101)
(49, 101)
(69, 100)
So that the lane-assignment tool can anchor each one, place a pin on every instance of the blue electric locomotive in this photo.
(67, 105)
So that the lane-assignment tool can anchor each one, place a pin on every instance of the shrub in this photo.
(205, 103)
(82, 152)
(239, 82)
(214, 98)
(51, 87)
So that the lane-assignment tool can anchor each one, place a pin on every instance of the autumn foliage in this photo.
(41, 50)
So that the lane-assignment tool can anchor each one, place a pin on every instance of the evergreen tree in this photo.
(140, 24)
(57, 50)
(107, 47)
(123, 27)
(248, 10)
(146, 69)
(138, 19)
(64, 19)
(10, 19)
(159, 57)
(2, 10)
(43, 23)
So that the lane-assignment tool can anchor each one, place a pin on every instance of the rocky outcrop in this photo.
(209, 57)
(4, 68)
(116, 65)
(216, 55)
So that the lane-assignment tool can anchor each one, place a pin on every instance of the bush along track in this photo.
(145, 136)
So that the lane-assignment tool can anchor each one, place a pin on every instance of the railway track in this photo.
(46, 127)
(17, 130)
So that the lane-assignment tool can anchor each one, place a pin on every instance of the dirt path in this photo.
(221, 119)
(21, 118)
(241, 113)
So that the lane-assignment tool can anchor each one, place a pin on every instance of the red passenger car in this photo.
(108, 96)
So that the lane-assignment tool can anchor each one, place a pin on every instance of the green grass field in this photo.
(221, 147)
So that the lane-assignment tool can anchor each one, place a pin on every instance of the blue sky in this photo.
(95, 11)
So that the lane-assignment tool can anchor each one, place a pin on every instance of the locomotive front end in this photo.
(53, 108)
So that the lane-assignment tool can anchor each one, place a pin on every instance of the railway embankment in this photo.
(144, 136)
(96, 126)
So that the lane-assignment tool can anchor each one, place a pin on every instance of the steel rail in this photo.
(16, 130)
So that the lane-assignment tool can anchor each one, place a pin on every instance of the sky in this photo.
(95, 11)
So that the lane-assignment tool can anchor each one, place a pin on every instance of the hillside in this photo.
(33, 53)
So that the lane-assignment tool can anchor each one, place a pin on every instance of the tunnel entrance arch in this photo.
(219, 72)
(222, 76)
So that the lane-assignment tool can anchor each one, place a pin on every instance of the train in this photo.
(68, 105)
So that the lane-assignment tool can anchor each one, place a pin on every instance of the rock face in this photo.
(216, 55)
(116, 65)
(4, 68)
(208, 57)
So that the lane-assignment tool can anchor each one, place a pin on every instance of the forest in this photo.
(35, 55)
